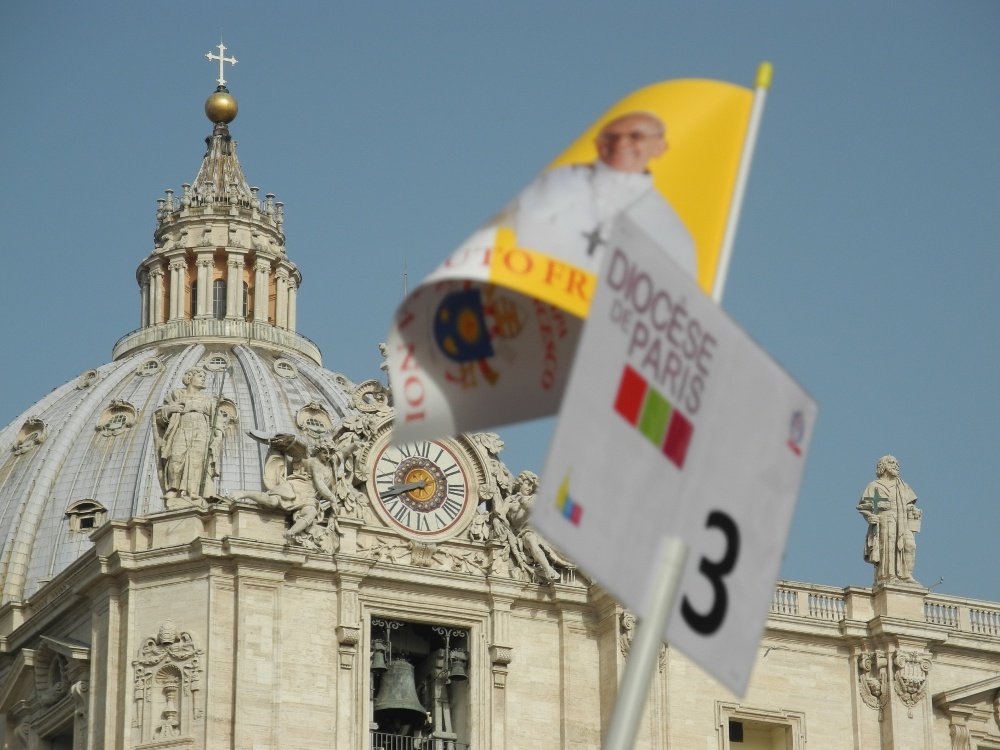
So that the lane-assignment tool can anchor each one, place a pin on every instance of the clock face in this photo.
(423, 489)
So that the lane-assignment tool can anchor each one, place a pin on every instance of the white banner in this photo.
(675, 423)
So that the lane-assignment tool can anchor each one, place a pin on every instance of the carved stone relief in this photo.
(167, 674)
(910, 676)
(370, 397)
(627, 625)
(873, 680)
(87, 378)
(60, 689)
(32, 434)
(314, 480)
(402, 552)
(627, 632)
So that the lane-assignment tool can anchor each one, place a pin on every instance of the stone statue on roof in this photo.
(889, 506)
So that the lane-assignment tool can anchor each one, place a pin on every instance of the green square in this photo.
(654, 417)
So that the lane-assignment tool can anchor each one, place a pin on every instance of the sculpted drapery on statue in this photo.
(190, 430)
(889, 506)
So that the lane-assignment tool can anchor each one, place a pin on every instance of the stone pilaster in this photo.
(262, 274)
(281, 299)
(292, 293)
(156, 293)
(205, 263)
(143, 298)
(178, 268)
(234, 286)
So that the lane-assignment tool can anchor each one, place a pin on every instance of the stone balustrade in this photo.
(200, 329)
(813, 602)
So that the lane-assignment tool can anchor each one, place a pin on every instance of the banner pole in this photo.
(644, 653)
(764, 73)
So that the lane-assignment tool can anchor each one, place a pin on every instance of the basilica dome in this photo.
(176, 418)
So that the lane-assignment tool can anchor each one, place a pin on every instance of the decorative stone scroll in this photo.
(167, 675)
(873, 681)
(627, 625)
(910, 676)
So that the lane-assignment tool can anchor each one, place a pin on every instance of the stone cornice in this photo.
(201, 330)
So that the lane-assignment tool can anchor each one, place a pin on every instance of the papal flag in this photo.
(489, 337)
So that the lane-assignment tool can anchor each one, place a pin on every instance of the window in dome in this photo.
(217, 361)
(285, 368)
(194, 299)
(148, 368)
(219, 299)
(313, 420)
(86, 515)
(246, 300)
(118, 417)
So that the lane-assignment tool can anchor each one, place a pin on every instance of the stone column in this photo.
(156, 294)
(292, 294)
(261, 284)
(143, 298)
(177, 268)
(234, 287)
(281, 301)
(205, 263)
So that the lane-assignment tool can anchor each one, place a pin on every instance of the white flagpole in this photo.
(643, 655)
(763, 83)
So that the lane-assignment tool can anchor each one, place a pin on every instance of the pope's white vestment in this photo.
(569, 211)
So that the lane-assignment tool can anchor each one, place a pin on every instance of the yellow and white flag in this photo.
(489, 337)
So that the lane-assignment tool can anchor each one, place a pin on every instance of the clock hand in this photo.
(399, 489)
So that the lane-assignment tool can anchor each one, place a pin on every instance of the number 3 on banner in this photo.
(708, 623)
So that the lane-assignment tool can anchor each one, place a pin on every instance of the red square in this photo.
(675, 445)
(576, 514)
(631, 394)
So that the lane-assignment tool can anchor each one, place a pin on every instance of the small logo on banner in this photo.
(466, 325)
(653, 416)
(460, 327)
(796, 431)
(570, 510)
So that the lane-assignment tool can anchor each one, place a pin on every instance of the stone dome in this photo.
(217, 292)
(88, 451)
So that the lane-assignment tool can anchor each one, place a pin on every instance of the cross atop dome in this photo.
(221, 57)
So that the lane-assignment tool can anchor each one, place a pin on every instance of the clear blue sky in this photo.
(867, 260)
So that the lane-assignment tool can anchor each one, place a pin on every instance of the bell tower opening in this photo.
(420, 686)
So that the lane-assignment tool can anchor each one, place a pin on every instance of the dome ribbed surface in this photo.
(86, 456)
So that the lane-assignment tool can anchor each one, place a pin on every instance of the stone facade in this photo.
(205, 628)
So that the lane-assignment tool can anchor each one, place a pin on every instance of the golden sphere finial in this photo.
(221, 106)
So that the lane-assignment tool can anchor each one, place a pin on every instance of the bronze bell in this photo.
(378, 656)
(458, 659)
(397, 702)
